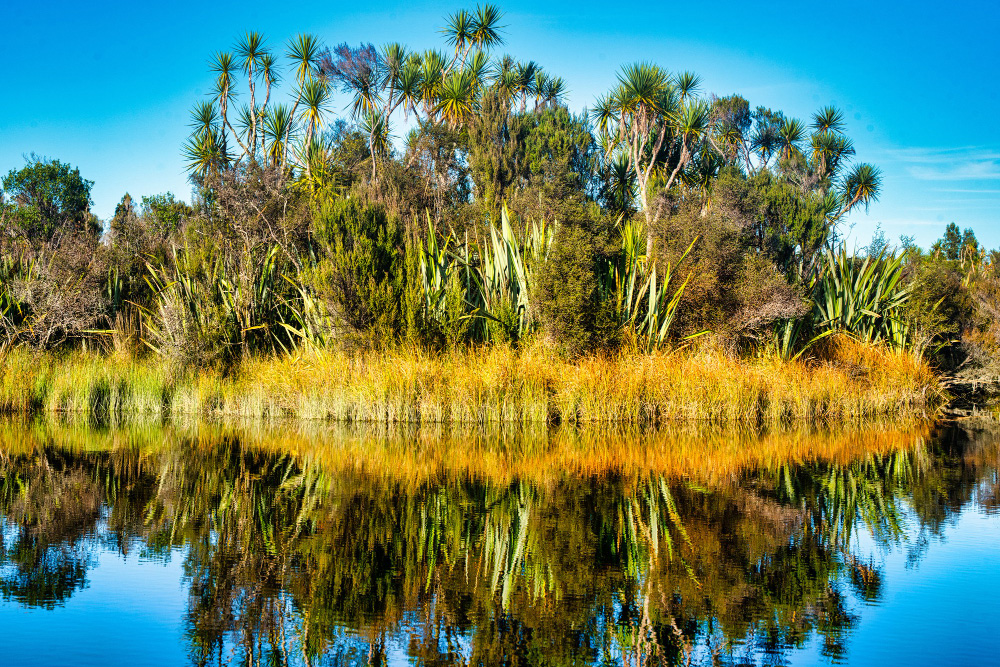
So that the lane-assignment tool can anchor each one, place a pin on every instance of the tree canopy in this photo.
(50, 196)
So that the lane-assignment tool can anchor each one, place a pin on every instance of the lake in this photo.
(298, 544)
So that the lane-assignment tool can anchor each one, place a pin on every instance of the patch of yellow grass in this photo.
(853, 382)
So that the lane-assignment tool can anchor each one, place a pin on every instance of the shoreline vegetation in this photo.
(669, 255)
(854, 383)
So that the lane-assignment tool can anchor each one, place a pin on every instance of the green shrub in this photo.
(365, 273)
(941, 307)
(733, 289)
(863, 297)
(567, 299)
(203, 317)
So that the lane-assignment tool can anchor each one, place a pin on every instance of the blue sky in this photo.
(107, 86)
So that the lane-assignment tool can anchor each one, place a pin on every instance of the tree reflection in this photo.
(50, 506)
(295, 556)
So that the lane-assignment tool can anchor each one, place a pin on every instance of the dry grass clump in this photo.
(847, 381)
(104, 386)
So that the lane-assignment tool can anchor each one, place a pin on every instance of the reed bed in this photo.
(854, 382)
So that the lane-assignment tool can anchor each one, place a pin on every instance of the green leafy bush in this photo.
(733, 289)
(51, 197)
(567, 299)
(365, 274)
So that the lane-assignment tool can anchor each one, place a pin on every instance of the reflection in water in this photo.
(351, 546)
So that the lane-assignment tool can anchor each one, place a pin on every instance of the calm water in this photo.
(205, 545)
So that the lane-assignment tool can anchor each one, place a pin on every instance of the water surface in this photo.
(286, 545)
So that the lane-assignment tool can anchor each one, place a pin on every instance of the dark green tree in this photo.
(567, 297)
(51, 196)
(491, 151)
(164, 212)
(955, 243)
(733, 119)
(558, 147)
(366, 274)
(785, 224)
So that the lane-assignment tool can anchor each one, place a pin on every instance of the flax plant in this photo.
(863, 297)
(503, 277)
(226, 314)
(645, 303)
(492, 279)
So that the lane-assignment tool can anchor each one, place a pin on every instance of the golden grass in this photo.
(488, 385)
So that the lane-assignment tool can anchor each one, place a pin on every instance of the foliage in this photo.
(365, 277)
(165, 212)
(646, 115)
(309, 230)
(485, 288)
(54, 296)
(492, 151)
(645, 307)
(863, 297)
(556, 146)
(733, 289)
(50, 197)
(503, 278)
(956, 245)
(786, 226)
(566, 294)
(253, 208)
(940, 308)
(446, 277)
(953, 309)
(264, 129)
(435, 156)
(205, 315)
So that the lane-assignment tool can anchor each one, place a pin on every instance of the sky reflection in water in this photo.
(209, 545)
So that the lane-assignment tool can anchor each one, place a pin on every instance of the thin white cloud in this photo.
(966, 163)
(967, 191)
(973, 171)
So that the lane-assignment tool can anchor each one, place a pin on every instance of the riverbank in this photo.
(851, 382)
